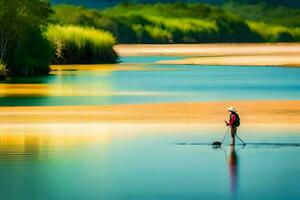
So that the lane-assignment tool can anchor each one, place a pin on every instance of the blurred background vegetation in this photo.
(108, 3)
(188, 22)
(36, 33)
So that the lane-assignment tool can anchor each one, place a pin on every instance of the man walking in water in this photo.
(234, 122)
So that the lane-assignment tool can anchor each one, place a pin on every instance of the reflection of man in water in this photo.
(233, 169)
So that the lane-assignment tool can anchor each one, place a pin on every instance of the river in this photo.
(56, 161)
(141, 80)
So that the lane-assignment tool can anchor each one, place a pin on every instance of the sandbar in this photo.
(251, 112)
(244, 54)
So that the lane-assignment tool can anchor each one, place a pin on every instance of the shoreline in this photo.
(227, 54)
(251, 112)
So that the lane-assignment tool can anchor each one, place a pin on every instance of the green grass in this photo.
(81, 45)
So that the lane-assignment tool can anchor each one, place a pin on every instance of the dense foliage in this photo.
(267, 13)
(23, 49)
(288, 3)
(28, 44)
(76, 45)
(162, 23)
(107, 3)
(188, 23)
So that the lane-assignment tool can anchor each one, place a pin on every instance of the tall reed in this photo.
(81, 45)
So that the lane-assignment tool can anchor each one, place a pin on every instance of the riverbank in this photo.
(256, 54)
(252, 112)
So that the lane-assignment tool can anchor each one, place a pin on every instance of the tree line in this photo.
(33, 34)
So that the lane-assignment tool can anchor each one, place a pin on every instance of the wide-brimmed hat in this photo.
(232, 109)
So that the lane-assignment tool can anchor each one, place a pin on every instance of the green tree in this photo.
(23, 49)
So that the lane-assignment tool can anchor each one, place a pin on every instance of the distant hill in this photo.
(108, 3)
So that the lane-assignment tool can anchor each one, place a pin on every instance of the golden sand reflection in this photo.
(54, 90)
(33, 142)
(67, 83)
(76, 87)
(94, 67)
(44, 90)
(38, 146)
(103, 69)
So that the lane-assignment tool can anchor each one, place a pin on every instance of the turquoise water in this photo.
(146, 162)
(150, 83)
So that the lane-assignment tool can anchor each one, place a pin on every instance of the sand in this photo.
(251, 112)
(258, 54)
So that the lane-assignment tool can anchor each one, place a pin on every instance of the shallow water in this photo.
(134, 162)
(136, 82)
(146, 162)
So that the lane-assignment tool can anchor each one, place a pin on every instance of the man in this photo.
(234, 122)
